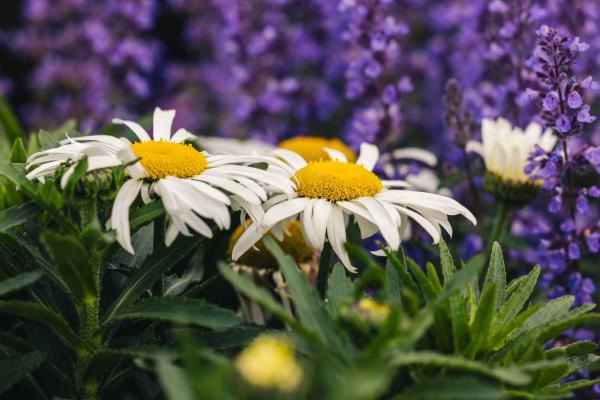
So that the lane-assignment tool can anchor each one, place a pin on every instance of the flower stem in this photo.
(89, 324)
(324, 267)
(500, 223)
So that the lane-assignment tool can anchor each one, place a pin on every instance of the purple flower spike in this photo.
(563, 124)
(551, 101)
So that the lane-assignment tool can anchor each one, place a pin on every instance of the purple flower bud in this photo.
(584, 115)
(373, 69)
(592, 155)
(562, 124)
(378, 41)
(550, 102)
(555, 204)
(498, 6)
(567, 226)
(405, 85)
(574, 100)
(589, 83)
(592, 241)
(574, 252)
(582, 204)
(578, 46)
(587, 286)
(594, 191)
(389, 95)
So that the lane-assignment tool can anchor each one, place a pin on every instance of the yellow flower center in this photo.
(336, 181)
(269, 362)
(374, 310)
(311, 148)
(161, 159)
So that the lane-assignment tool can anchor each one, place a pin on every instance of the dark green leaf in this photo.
(18, 282)
(173, 380)
(73, 263)
(145, 214)
(18, 215)
(18, 366)
(399, 262)
(155, 266)
(183, 311)
(40, 314)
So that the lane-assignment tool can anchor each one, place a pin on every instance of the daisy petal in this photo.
(162, 121)
(369, 154)
(336, 233)
(135, 127)
(119, 219)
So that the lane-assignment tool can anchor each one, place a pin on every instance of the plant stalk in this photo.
(324, 268)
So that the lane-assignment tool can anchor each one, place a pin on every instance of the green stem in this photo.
(500, 223)
(324, 267)
(89, 331)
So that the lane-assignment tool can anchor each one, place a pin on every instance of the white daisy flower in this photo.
(194, 186)
(328, 191)
(505, 149)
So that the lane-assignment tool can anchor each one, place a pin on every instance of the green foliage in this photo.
(443, 337)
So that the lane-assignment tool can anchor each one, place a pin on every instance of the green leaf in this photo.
(339, 288)
(573, 349)
(546, 313)
(483, 320)
(183, 311)
(145, 214)
(18, 154)
(9, 125)
(73, 263)
(18, 247)
(40, 314)
(18, 282)
(459, 280)
(256, 293)
(458, 312)
(173, 380)
(155, 266)
(46, 140)
(511, 308)
(307, 302)
(399, 262)
(496, 274)
(512, 375)
(78, 173)
(427, 287)
(444, 388)
(18, 215)
(18, 366)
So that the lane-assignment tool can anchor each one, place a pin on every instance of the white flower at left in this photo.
(194, 186)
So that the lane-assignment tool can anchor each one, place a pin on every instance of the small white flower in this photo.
(193, 186)
(328, 191)
(505, 149)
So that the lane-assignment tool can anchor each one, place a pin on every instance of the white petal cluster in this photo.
(271, 197)
(505, 148)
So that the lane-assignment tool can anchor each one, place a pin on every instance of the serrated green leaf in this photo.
(40, 314)
(46, 140)
(183, 311)
(18, 366)
(339, 288)
(521, 293)
(433, 277)
(496, 274)
(18, 153)
(448, 268)
(153, 268)
(18, 282)
(73, 263)
(483, 320)
(573, 349)
(444, 388)
(513, 375)
(547, 312)
(427, 287)
(18, 215)
(399, 262)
